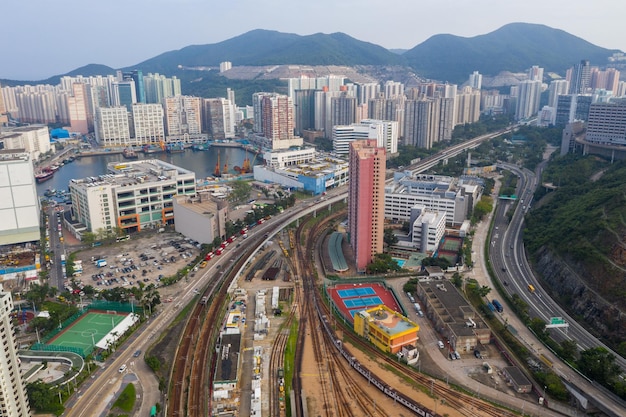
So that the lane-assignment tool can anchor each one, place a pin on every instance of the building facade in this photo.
(386, 329)
(14, 401)
(134, 195)
(113, 127)
(19, 204)
(366, 200)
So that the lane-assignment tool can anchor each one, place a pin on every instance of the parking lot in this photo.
(146, 259)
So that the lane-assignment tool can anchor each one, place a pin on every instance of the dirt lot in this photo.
(146, 259)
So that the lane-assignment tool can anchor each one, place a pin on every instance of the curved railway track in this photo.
(191, 376)
(465, 404)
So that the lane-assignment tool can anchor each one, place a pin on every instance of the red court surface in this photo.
(374, 292)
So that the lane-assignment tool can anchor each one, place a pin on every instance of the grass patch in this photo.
(126, 400)
(290, 357)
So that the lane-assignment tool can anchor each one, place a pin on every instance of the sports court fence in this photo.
(109, 306)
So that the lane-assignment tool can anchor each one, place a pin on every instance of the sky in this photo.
(42, 38)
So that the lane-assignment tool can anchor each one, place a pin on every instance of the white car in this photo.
(122, 368)
(440, 344)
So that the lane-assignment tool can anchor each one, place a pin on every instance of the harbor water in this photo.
(201, 162)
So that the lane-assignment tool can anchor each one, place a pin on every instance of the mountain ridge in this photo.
(513, 47)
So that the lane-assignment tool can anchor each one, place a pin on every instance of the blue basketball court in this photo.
(356, 292)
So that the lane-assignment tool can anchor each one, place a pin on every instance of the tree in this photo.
(240, 192)
(43, 399)
(569, 350)
(457, 280)
(539, 327)
(599, 365)
(382, 264)
(390, 238)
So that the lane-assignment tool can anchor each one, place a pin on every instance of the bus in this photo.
(122, 238)
(531, 288)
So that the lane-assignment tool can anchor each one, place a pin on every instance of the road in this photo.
(57, 247)
(508, 257)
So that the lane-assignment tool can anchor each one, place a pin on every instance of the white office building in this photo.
(427, 228)
(384, 131)
(34, 139)
(453, 197)
(113, 127)
(132, 196)
(289, 158)
(148, 123)
(14, 401)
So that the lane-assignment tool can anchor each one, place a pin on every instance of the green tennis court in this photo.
(87, 331)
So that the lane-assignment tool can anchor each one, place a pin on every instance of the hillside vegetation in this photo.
(583, 223)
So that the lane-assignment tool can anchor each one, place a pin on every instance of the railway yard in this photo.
(326, 370)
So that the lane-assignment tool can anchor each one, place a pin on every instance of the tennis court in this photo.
(362, 302)
(87, 331)
(356, 292)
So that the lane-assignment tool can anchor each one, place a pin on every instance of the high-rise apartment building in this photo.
(4, 119)
(529, 94)
(343, 109)
(113, 127)
(79, 106)
(225, 66)
(422, 118)
(304, 110)
(183, 118)
(136, 76)
(475, 80)
(535, 73)
(579, 77)
(218, 118)
(366, 200)
(275, 119)
(13, 398)
(607, 79)
(148, 127)
(556, 89)
(393, 89)
(157, 87)
(124, 94)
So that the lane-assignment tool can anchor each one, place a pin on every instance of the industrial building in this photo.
(517, 379)
(226, 375)
(302, 169)
(132, 196)
(19, 205)
(388, 330)
(34, 139)
(452, 316)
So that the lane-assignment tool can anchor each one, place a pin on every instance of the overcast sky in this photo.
(42, 38)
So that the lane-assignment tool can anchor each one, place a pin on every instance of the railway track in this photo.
(464, 404)
(277, 359)
(194, 360)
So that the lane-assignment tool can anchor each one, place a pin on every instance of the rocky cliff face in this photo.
(575, 291)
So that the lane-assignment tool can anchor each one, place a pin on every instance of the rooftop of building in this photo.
(405, 182)
(452, 307)
(202, 204)
(21, 129)
(516, 375)
(135, 172)
(14, 155)
(228, 360)
(319, 166)
(389, 321)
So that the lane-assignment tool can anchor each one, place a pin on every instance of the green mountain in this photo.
(265, 47)
(514, 47)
